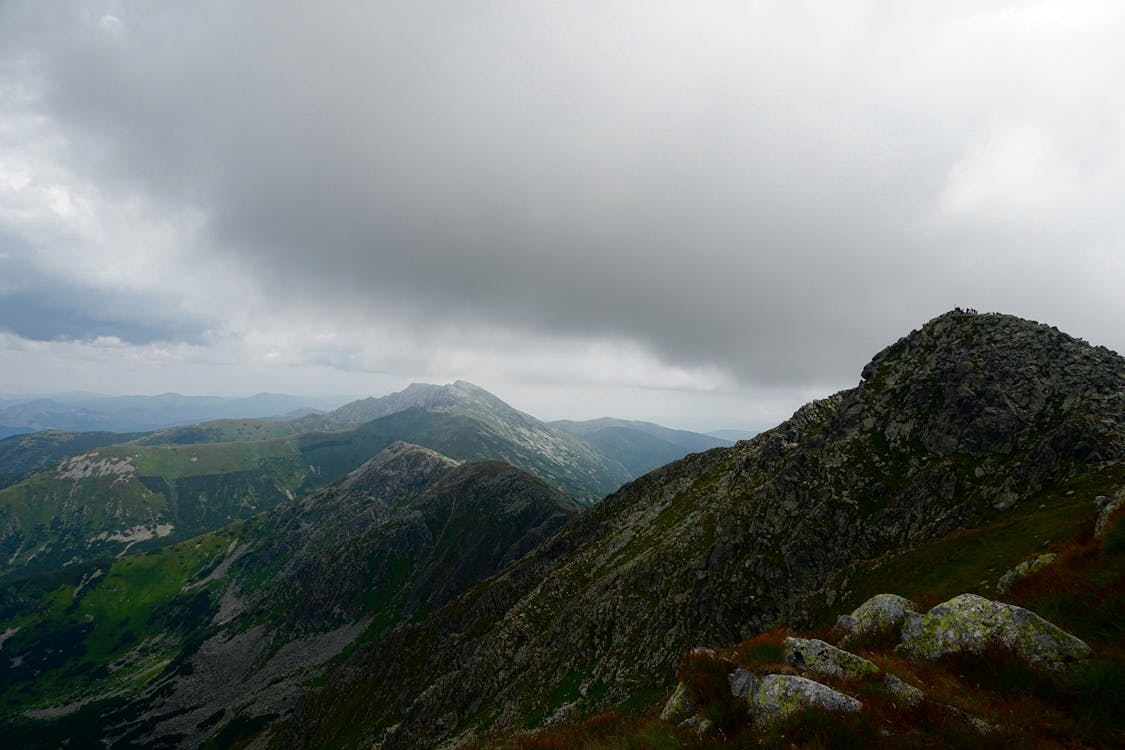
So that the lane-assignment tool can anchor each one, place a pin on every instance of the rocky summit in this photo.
(961, 422)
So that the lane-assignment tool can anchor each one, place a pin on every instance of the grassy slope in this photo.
(101, 629)
(1083, 592)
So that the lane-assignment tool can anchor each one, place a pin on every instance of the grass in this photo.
(112, 632)
(1083, 592)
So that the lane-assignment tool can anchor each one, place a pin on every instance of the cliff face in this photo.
(962, 421)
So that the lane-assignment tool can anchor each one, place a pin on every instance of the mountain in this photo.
(972, 429)
(91, 412)
(420, 601)
(178, 644)
(173, 484)
(499, 431)
(638, 446)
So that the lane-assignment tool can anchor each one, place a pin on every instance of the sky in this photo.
(702, 214)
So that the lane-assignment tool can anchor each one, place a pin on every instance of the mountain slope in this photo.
(22, 454)
(575, 466)
(223, 630)
(639, 446)
(971, 419)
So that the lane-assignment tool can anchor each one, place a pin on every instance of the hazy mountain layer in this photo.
(88, 413)
(639, 446)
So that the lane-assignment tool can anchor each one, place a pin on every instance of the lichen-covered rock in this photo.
(971, 623)
(1107, 506)
(817, 656)
(779, 696)
(1024, 569)
(680, 706)
(743, 682)
(902, 692)
(882, 613)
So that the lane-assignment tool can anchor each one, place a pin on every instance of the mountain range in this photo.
(95, 413)
(72, 497)
(434, 595)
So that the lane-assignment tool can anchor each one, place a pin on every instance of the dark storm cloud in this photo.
(752, 188)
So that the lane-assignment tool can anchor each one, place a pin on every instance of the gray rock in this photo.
(846, 623)
(971, 623)
(1024, 569)
(679, 707)
(903, 692)
(882, 613)
(698, 724)
(743, 682)
(779, 696)
(818, 656)
(975, 722)
(1107, 506)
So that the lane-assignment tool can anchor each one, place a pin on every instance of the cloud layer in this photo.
(759, 195)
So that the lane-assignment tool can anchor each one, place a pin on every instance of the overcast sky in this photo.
(701, 213)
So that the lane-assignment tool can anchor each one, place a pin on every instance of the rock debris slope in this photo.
(956, 423)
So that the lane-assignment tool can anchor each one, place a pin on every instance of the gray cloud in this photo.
(750, 186)
(39, 305)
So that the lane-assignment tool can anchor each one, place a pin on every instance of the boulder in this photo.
(779, 696)
(902, 692)
(680, 706)
(882, 613)
(1107, 506)
(1024, 569)
(818, 656)
(743, 682)
(971, 623)
(698, 724)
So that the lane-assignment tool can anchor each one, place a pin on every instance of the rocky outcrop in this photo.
(814, 655)
(779, 696)
(1023, 570)
(971, 623)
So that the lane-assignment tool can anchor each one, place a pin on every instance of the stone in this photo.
(971, 623)
(902, 692)
(820, 657)
(743, 682)
(698, 724)
(680, 706)
(982, 726)
(779, 696)
(882, 613)
(1024, 569)
(1107, 506)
